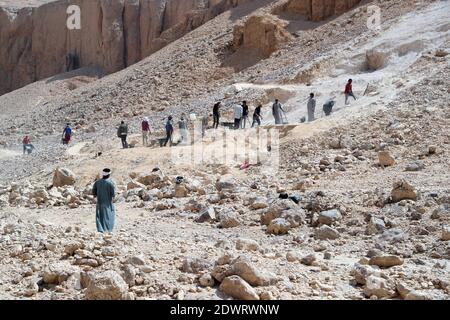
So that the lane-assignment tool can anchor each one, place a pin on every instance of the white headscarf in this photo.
(106, 172)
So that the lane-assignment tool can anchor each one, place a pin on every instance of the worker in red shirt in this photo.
(145, 131)
(27, 146)
(349, 91)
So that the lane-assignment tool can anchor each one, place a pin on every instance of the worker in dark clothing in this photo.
(216, 115)
(169, 131)
(67, 134)
(257, 117)
(244, 114)
(122, 133)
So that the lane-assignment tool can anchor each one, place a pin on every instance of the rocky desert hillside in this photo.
(359, 208)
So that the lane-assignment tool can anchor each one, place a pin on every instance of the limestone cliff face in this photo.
(35, 42)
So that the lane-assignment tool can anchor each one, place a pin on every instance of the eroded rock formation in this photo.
(266, 33)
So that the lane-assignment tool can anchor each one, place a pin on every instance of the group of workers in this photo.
(28, 147)
(104, 190)
(241, 119)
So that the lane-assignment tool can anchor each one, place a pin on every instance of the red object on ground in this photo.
(245, 165)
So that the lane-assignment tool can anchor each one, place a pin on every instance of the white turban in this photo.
(106, 172)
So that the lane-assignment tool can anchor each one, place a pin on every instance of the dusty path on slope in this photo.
(5, 154)
(401, 44)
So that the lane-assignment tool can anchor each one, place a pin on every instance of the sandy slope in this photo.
(403, 46)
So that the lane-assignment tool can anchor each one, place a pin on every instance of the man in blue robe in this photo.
(105, 213)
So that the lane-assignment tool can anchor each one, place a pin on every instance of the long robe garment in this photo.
(311, 109)
(105, 213)
(276, 111)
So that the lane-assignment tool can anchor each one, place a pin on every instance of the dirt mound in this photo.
(375, 60)
(316, 10)
(311, 72)
(7, 154)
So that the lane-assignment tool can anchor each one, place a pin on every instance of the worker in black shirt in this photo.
(216, 115)
(244, 114)
(257, 117)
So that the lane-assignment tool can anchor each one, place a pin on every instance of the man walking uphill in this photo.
(257, 117)
(26, 143)
(122, 133)
(105, 192)
(349, 91)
